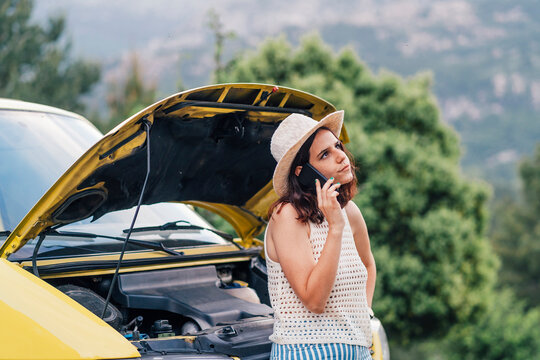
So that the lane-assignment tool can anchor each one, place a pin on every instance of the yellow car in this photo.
(112, 262)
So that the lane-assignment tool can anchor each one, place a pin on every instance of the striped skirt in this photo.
(319, 351)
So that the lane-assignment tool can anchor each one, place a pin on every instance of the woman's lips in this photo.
(346, 167)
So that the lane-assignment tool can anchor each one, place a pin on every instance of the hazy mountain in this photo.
(485, 55)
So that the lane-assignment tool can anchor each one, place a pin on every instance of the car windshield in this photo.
(36, 148)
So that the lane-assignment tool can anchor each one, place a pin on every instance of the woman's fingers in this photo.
(319, 192)
(328, 203)
(331, 189)
(327, 195)
(334, 187)
(328, 183)
(322, 195)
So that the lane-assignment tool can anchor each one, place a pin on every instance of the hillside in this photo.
(484, 55)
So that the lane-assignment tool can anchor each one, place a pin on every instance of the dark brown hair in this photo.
(305, 203)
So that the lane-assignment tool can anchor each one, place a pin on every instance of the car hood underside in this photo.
(209, 147)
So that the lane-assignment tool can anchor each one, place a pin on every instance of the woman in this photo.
(321, 272)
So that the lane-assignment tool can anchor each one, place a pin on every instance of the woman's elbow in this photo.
(317, 310)
(369, 262)
(316, 307)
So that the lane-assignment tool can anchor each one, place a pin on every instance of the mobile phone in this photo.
(307, 177)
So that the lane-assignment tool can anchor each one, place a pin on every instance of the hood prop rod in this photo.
(147, 126)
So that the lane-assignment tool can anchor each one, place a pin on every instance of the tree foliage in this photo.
(426, 222)
(516, 234)
(216, 26)
(36, 65)
(127, 98)
(507, 332)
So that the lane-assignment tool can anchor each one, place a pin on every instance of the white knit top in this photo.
(345, 318)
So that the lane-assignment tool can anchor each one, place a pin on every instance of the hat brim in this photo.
(333, 121)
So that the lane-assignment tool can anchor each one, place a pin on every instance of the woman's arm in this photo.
(361, 240)
(311, 280)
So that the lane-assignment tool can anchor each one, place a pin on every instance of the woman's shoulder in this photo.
(354, 215)
(351, 207)
(285, 212)
(353, 212)
(286, 215)
(285, 220)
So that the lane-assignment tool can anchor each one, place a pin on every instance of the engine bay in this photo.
(172, 302)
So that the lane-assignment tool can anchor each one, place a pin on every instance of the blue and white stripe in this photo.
(319, 351)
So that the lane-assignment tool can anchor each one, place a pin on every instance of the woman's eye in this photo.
(339, 146)
(324, 154)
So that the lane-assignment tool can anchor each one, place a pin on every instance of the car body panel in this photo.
(18, 105)
(40, 322)
(86, 189)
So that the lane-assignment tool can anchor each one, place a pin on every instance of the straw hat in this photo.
(289, 138)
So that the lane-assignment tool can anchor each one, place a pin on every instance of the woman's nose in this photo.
(341, 156)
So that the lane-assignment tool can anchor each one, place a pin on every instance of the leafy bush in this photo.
(426, 222)
(505, 331)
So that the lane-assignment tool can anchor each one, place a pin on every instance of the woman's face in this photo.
(326, 155)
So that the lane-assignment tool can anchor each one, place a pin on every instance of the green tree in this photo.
(426, 222)
(125, 100)
(508, 331)
(36, 65)
(216, 26)
(516, 234)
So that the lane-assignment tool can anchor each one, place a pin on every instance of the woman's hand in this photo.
(329, 205)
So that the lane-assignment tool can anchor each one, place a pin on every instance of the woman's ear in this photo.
(297, 170)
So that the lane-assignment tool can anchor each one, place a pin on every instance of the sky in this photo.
(161, 30)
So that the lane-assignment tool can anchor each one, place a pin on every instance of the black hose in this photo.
(35, 253)
(115, 276)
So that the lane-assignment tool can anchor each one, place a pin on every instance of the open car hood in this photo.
(209, 147)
